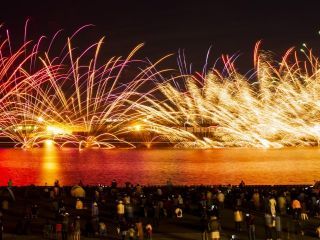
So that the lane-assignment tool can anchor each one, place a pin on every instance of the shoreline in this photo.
(173, 186)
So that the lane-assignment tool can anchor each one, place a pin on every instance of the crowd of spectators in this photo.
(135, 211)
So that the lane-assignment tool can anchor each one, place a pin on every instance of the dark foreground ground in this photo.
(186, 228)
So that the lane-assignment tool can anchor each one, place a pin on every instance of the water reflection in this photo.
(50, 166)
(155, 166)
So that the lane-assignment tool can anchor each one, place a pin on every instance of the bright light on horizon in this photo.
(55, 130)
(49, 142)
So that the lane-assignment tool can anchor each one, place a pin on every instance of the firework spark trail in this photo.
(23, 112)
(63, 97)
(84, 105)
(81, 102)
(280, 108)
(13, 77)
(91, 100)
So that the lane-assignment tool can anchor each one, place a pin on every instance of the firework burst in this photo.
(76, 99)
(278, 106)
(71, 98)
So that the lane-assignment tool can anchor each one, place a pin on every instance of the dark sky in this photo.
(166, 26)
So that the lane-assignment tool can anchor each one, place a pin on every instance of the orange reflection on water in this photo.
(50, 166)
(155, 166)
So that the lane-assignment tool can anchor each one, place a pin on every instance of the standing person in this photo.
(102, 229)
(209, 198)
(123, 230)
(238, 218)
(242, 184)
(65, 226)
(268, 225)
(304, 215)
(221, 198)
(250, 226)
(282, 203)
(47, 230)
(120, 211)
(10, 183)
(114, 184)
(278, 227)
(256, 200)
(58, 231)
(178, 212)
(156, 215)
(214, 228)
(56, 188)
(149, 231)
(131, 232)
(129, 212)
(126, 199)
(94, 210)
(34, 211)
(97, 195)
(214, 211)
(77, 229)
(304, 218)
(296, 211)
(272, 206)
(139, 229)
(71, 231)
(159, 192)
(95, 217)
(79, 204)
(46, 190)
(180, 201)
(296, 208)
(204, 226)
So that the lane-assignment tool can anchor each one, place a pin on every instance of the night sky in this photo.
(167, 26)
